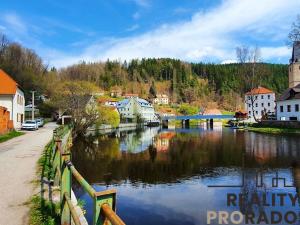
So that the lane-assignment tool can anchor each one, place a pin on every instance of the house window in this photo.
(248, 97)
(249, 112)
(262, 97)
(262, 104)
(269, 104)
(256, 97)
(297, 107)
(269, 96)
(249, 105)
(281, 108)
(256, 105)
(289, 108)
(256, 112)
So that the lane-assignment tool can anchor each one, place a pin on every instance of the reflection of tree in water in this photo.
(188, 155)
(152, 152)
(250, 189)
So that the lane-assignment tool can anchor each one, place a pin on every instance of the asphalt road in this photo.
(18, 163)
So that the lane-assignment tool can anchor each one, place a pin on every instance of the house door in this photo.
(22, 118)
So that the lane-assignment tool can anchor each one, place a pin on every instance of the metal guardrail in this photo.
(104, 209)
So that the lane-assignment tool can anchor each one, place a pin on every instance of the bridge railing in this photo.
(104, 203)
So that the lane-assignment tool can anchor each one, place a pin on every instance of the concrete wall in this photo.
(7, 102)
(280, 124)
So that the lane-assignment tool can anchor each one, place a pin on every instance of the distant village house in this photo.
(131, 108)
(115, 93)
(161, 99)
(130, 95)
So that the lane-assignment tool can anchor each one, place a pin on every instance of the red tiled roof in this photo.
(8, 85)
(259, 90)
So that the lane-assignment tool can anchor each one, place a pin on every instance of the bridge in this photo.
(186, 119)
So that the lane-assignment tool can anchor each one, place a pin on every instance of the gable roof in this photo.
(290, 93)
(259, 90)
(140, 101)
(8, 85)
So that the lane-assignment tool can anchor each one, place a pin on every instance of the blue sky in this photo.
(65, 32)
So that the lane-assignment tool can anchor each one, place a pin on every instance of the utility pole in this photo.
(32, 105)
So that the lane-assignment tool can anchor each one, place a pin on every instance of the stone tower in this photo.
(294, 67)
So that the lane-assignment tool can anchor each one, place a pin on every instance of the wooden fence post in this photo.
(65, 188)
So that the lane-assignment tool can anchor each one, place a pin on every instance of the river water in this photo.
(178, 176)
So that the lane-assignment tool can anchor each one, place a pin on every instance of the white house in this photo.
(258, 101)
(161, 99)
(12, 98)
(130, 108)
(289, 102)
(112, 103)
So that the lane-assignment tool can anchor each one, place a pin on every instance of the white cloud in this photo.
(275, 52)
(208, 36)
(15, 22)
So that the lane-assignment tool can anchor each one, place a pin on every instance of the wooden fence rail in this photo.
(62, 170)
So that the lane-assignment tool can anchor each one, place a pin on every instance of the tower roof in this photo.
(296, 52)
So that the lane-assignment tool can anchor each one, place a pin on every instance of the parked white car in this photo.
(40, 122)
(30, 125)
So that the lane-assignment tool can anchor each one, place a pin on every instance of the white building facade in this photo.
(259, 101)
(130, 108)
(12, 98)
(288, 104)
(161, 99)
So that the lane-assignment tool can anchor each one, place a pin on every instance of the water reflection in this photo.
(162, 176)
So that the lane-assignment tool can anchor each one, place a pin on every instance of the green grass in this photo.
(43, 212)
(10, 135)
(274, 130)
(224, 112)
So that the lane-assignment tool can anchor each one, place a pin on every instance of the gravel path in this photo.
(18, 158)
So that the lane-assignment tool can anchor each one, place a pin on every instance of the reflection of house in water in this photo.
(162, 141)
(275, 148)
(135, 142)
(217, 126)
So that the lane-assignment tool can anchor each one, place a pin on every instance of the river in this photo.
(175, 176)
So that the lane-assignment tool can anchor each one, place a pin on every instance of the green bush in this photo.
(186, 109)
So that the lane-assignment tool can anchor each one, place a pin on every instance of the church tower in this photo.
(294, 67)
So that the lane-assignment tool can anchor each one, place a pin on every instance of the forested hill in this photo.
(184, 82)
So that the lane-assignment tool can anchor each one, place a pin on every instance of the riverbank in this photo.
(274, 130)
(18, 158)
